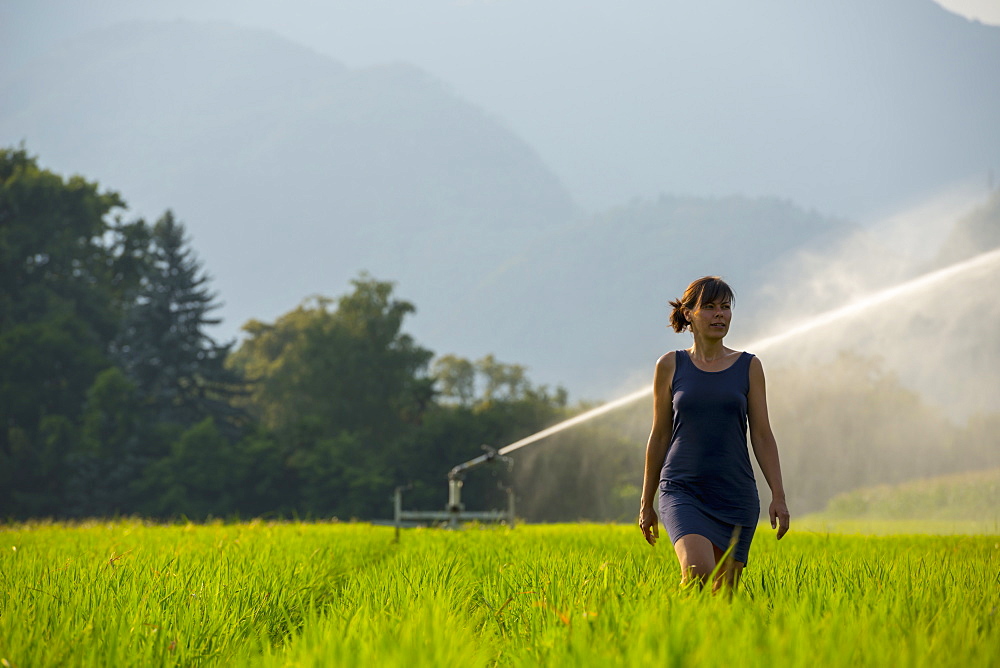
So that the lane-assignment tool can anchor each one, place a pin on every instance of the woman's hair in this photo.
(702, 291)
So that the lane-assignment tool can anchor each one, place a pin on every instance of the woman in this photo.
(704, 398)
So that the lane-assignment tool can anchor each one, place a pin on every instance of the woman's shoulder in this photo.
(668, 362)
(753, 366)
(668, 358)
(665, 366)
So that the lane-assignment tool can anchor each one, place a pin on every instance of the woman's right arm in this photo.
(659, 442)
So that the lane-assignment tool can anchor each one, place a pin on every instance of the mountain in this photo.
(856, 108)
(292, 171)
(590, 301)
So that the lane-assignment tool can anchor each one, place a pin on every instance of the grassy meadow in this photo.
(126, 593)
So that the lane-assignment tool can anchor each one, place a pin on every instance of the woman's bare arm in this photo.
(765, 447)
(659, 442)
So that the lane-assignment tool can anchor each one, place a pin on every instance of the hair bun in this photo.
(677, 320)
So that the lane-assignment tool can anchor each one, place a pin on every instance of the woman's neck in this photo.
(708, 350)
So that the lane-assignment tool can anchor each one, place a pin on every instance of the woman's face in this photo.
(711, 319)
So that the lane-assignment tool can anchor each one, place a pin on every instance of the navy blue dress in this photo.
(707, 485)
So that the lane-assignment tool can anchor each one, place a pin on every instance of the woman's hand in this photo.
(779, 516)
(649, 524)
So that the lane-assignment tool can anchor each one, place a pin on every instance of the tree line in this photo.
(116, 400)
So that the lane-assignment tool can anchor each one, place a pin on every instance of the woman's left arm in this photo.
(765, 447)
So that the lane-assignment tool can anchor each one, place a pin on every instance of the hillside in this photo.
(965, 496)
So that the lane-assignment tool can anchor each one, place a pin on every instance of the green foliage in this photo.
(336, 479)
(456, 379)
(109, 415)
(115, 400)
(195, 479)
(483, 403)
(178, 369)
(103, 356)
(263, 485)
(109, 459)
(352, 410)
(61, 280)
(340, 389)
(345, 369)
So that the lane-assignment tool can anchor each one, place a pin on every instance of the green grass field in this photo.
(258, 594)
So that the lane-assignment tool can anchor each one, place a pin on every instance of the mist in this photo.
(882, 361)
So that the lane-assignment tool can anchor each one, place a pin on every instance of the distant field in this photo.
(824, 523)
(258, 594)
(959, 503)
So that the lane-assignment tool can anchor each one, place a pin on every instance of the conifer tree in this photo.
(164, 348)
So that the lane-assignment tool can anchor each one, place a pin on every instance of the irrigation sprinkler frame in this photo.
(455, 513)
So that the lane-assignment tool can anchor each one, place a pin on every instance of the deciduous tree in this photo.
(340, 388)
(61, 277)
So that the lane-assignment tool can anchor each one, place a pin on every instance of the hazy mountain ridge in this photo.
(857, 108)
(294, 173)
(236, 95)
(590, 300)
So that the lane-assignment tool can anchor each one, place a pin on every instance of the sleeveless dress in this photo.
(707, 485)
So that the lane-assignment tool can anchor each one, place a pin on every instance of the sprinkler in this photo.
(455, 512)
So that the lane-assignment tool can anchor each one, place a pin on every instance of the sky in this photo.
(984, 11)
(526, 68)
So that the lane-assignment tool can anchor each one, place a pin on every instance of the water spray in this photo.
(455, 512)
